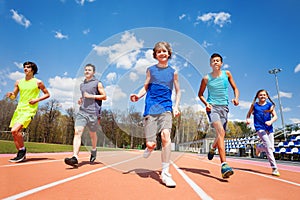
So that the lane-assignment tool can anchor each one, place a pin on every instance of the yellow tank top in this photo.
(28, 90)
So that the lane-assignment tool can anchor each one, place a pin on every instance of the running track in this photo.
(126, 175)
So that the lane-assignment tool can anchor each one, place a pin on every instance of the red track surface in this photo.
(126, 175)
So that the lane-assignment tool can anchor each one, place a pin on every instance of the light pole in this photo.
(275, 71)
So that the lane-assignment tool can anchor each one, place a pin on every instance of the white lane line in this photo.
(193, 185)
(250, 172)
(34, 190)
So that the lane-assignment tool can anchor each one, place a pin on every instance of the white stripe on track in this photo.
(258, 174)
(34, 190)
(193, 185)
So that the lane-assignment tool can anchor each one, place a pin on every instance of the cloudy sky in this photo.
(61, 36)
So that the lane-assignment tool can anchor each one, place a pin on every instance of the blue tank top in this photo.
(261, 116)
(90, 106)
(158, 99)
(218, 89)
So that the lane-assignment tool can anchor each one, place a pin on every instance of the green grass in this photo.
(34, 147)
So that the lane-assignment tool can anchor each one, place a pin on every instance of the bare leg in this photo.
(94, 138)
(219, 140)
(77, 140)
(16, 131)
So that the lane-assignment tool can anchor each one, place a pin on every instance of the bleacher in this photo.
(290, 148)
(240, 146)
(284, 150)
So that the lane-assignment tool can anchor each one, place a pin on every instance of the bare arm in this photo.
(178, 95)
(100, 96)
(14, 93)
(46, 93)
(274, 117)
(143, 90)
(248, 121)
(235, 89)
(201, 92)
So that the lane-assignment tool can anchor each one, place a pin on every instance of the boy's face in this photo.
(216, 63)
(89, 72)
(27, 69)
(162, 55)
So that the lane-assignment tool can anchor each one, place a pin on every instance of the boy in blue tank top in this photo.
(160, 79)
(216, 104)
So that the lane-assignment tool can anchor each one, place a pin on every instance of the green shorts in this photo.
(21, 117)
(155, 124)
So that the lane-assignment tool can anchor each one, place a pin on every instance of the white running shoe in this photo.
(147, 153)
(275, 172)
(167, 180)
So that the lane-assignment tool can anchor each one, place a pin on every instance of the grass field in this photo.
(34, 147)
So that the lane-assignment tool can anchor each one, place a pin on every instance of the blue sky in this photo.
(117, 36)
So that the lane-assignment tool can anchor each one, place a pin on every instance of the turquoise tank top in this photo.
(218, 89)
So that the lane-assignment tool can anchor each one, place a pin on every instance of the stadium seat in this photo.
(295, 150)
(297, 143)
(286, 144)
(280, 144)
(277, 150)
(291, 144)
(288, 151)
(282, 150)
(292, 138)
(297, 138)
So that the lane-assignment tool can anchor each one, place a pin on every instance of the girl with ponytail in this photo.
(264, 116)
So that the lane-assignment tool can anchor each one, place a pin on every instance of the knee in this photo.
(78, 131)
(15, 132)
(165, 136)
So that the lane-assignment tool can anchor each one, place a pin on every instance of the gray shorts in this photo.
(218, 113)
(154, 124)
(84, 119)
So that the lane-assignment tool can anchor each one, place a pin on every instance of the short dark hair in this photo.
(32, 65)
(216, 55)
(90, 65)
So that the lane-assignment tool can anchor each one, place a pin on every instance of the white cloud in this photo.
(133, 76)
(226, 66)
(244, 104)
(86, 31)
(283, 94)
(20, 19)
(205, 44)
(81, 2)
(182, 16)
(3, 77)
(286, 109)
(297, 68)
(295, 120)
(19, 65)
(59, 35)
(219, 19)
(123, 54)
(111, 76)
(62, 89)
(16, 75)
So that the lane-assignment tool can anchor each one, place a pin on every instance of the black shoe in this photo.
(211, 154)
(21, 156)
(93, 156)
(72, 161)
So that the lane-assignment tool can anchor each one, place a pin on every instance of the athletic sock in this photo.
(165, 167)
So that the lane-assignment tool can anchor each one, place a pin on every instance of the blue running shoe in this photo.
(226, 171)
(211, 153)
